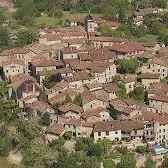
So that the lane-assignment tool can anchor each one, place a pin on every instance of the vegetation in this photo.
(150, 163)
(122, 93)
(142, 150)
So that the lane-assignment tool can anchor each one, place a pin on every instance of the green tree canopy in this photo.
(128, 161)
(150, 163)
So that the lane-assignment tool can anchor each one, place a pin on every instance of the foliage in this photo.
(78, 99)
(4, 37)
(91, 162)
(122, 92)
(128, 66)
(56, 106)
(45, 119)
(5, 145)
(142, 149)
(58, 143)
(67, 135)
(2, 15)
(83, 144)
(106, 145)
(128, 161)
(150, 163)
(56, 11)
(8, 111)
(95, 150)
(108, 163)
(3, 89)
(138, 94)
(123, 150)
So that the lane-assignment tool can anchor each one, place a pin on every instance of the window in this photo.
(130, 86)
(107, 132)
(147, 132)
(163, 136)
(158, 70)
(116, 132)
(99, 133)
(6, 71)
(164, 130)
(159, 131)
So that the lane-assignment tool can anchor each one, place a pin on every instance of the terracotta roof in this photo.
(78, 76)
(56, 128)
(96, 112)
(47, 63)
(85, 57)
(158, 88)
(149, 76)
(20, 50)
(128, 80)
(110, 87)
(75, 41)
(69, 50)
(160, 97)
(76, 19)
(128, 47)
(70, 107)
(163, 61)
(88, 97)
(107, 39)
(116, 125)
(13, 61)
(73, 121)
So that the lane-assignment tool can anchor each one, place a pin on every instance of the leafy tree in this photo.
(26, 13)
(106, 30)
(108, 163)
(26, 37)
(122, 17)
(66, 161)
(95, 150)
(138, 94)
(122, 92)
(45, 119)
(5, 145)
(150, 163)
(91, 162)
(128, 161)
(3, 90)
(56, 11)
(106, 145)
(142, 149)
(110, 13)
(78, 99)
(67, 135)
(58, 143)
(2, 15)
(128, 66)
(48, 82)
(4, 37)
(56, 106)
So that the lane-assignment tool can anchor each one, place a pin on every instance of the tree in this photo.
(48, 82)
(3, 90)
(5, 145)
(128, 161)
(78, 99)
(122, 18)
(26, 37)
(142, 149)
(127, 66)
(67, 135)
(106, 145)
(56, 11)
(4, 37)
(122, 92)
(150, 163)
(138, 94)
(58, 143)
(109, 163)
(45, 119)
(56, 106)
(95, 150)
(110, 13)
(91, 162)
(2, 15)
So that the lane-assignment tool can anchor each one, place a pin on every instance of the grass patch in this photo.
(146, 38)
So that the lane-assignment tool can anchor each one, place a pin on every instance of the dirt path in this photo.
(15, 157)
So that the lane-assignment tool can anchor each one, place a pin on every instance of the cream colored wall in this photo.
(147, 82)
(13, 69)
(112, 135)
(69, 56)
(127, 85)
(160, 106)
(72, 114)
(93, 119)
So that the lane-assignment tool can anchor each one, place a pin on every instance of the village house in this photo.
(110, 91)
(157, 65)
(118, 130)
(127, 50)
(45, 65)
(38, 108)
(113, 25)
(120, 110)
(101, 42)
(68, 111)
(5, 55)
(57, 74)
(97, 115)
(76, 21)
(90, 102)
(54, 131)
(153, 45)
(79, 128)
(129, 83)
(68, 53)
(12, 67)
(139, 15)
(159, 102)
(148, 78)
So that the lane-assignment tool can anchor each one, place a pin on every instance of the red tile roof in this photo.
(110, 87)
